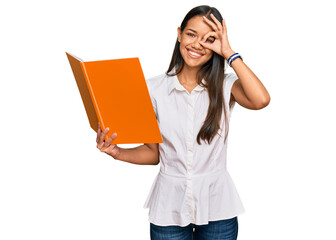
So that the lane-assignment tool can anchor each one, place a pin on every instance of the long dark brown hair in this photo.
(213, 74)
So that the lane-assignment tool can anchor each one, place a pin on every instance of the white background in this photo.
(55, 183)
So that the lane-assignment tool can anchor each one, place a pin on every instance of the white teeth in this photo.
(194, 54)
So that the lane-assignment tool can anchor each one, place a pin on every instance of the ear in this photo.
(179, 34)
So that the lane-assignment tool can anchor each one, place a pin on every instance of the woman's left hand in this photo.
(221, 44)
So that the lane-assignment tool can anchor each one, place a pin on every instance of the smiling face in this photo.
(193, 53)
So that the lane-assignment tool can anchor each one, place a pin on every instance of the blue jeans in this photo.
(226, 229)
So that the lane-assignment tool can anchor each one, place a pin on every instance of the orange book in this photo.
(115, 93)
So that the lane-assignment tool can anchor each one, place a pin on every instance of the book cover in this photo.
(115, 93)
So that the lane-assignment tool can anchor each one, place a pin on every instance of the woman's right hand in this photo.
(105, 146)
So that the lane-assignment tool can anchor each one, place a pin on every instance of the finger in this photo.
(110, 140)
(206, 45)
(212, 24)
(224, 25)
(209, 34)
(98, 133)
(219, 25)
(108, 150)
(102, 136)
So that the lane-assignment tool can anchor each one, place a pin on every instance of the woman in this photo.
(193, 196)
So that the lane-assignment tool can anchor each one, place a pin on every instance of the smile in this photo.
(194, 54)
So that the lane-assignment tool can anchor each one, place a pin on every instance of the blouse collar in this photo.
(173, 83)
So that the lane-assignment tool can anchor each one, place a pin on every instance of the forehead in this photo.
(199, 25)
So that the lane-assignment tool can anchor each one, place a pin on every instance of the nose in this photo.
(196, 44)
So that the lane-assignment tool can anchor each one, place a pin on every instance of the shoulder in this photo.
(230, 78)
(156, 80)
(156, 84)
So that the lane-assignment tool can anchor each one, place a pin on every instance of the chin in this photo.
(192, 65)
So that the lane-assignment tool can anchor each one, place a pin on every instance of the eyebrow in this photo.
(192, 30)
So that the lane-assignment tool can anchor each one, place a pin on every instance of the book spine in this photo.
(93, 97)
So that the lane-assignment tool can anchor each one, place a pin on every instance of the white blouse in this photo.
(193, 184)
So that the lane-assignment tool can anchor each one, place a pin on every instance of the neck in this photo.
(188, 75)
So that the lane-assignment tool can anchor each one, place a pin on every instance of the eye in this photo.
(190, 34)
(211, 40)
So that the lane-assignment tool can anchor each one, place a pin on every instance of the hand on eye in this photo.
(220, 45)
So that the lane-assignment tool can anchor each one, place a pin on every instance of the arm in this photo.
(247, 90)
(147, 154)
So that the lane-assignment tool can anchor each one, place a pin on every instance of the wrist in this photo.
(118, 153)
(228, 53)
(233, 57)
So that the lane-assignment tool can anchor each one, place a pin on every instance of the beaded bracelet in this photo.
(234, 57)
